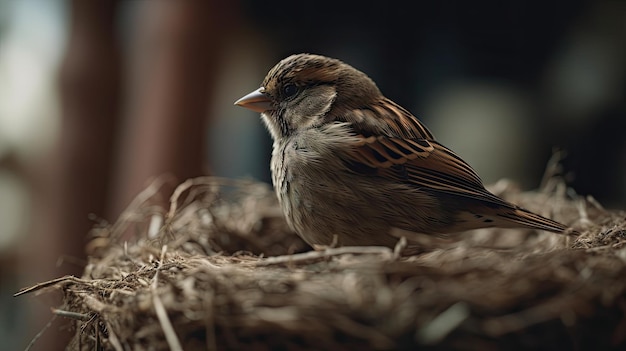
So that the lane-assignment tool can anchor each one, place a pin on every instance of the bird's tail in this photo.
(519, 217)
(509, 217)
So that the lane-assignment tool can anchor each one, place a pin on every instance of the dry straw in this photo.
(220, 270)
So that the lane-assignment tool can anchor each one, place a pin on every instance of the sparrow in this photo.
(350, 166)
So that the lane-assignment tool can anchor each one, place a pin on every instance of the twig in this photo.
(156, 223)
(581, 205)
(400, 246)
(72, 315)
(49, 283)
(187, 184)
(38, 335)
(442, 325)
(553, 168)
(166, 324)
(592, 200)
(126, 218)
(176, 194)
(312, 255)
(117, 345)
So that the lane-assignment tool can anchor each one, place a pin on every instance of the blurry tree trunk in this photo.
(80, 167)
(173, 58)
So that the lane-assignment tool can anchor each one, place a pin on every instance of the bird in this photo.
(350, 166)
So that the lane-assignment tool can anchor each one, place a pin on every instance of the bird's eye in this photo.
(290, 90)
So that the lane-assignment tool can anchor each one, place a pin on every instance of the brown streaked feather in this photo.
(402, 121)
(532, 220)
(384, 118)
(408, 154)
(423, 164)
(384, 152)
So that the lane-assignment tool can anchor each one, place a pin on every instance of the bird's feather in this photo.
(417, 160)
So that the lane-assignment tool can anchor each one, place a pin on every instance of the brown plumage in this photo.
(349, 162)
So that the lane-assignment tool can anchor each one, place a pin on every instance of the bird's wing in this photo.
(421, 163)
(385, 117)
(395, 144)
(407, 153)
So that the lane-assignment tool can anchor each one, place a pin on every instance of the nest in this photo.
(220, 270)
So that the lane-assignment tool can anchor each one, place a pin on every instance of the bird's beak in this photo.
(256, 101)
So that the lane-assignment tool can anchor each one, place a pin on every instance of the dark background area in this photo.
(99, 97)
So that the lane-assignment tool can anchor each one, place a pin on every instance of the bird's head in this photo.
(305, 91)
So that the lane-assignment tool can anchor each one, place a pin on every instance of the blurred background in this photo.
(99, 97)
